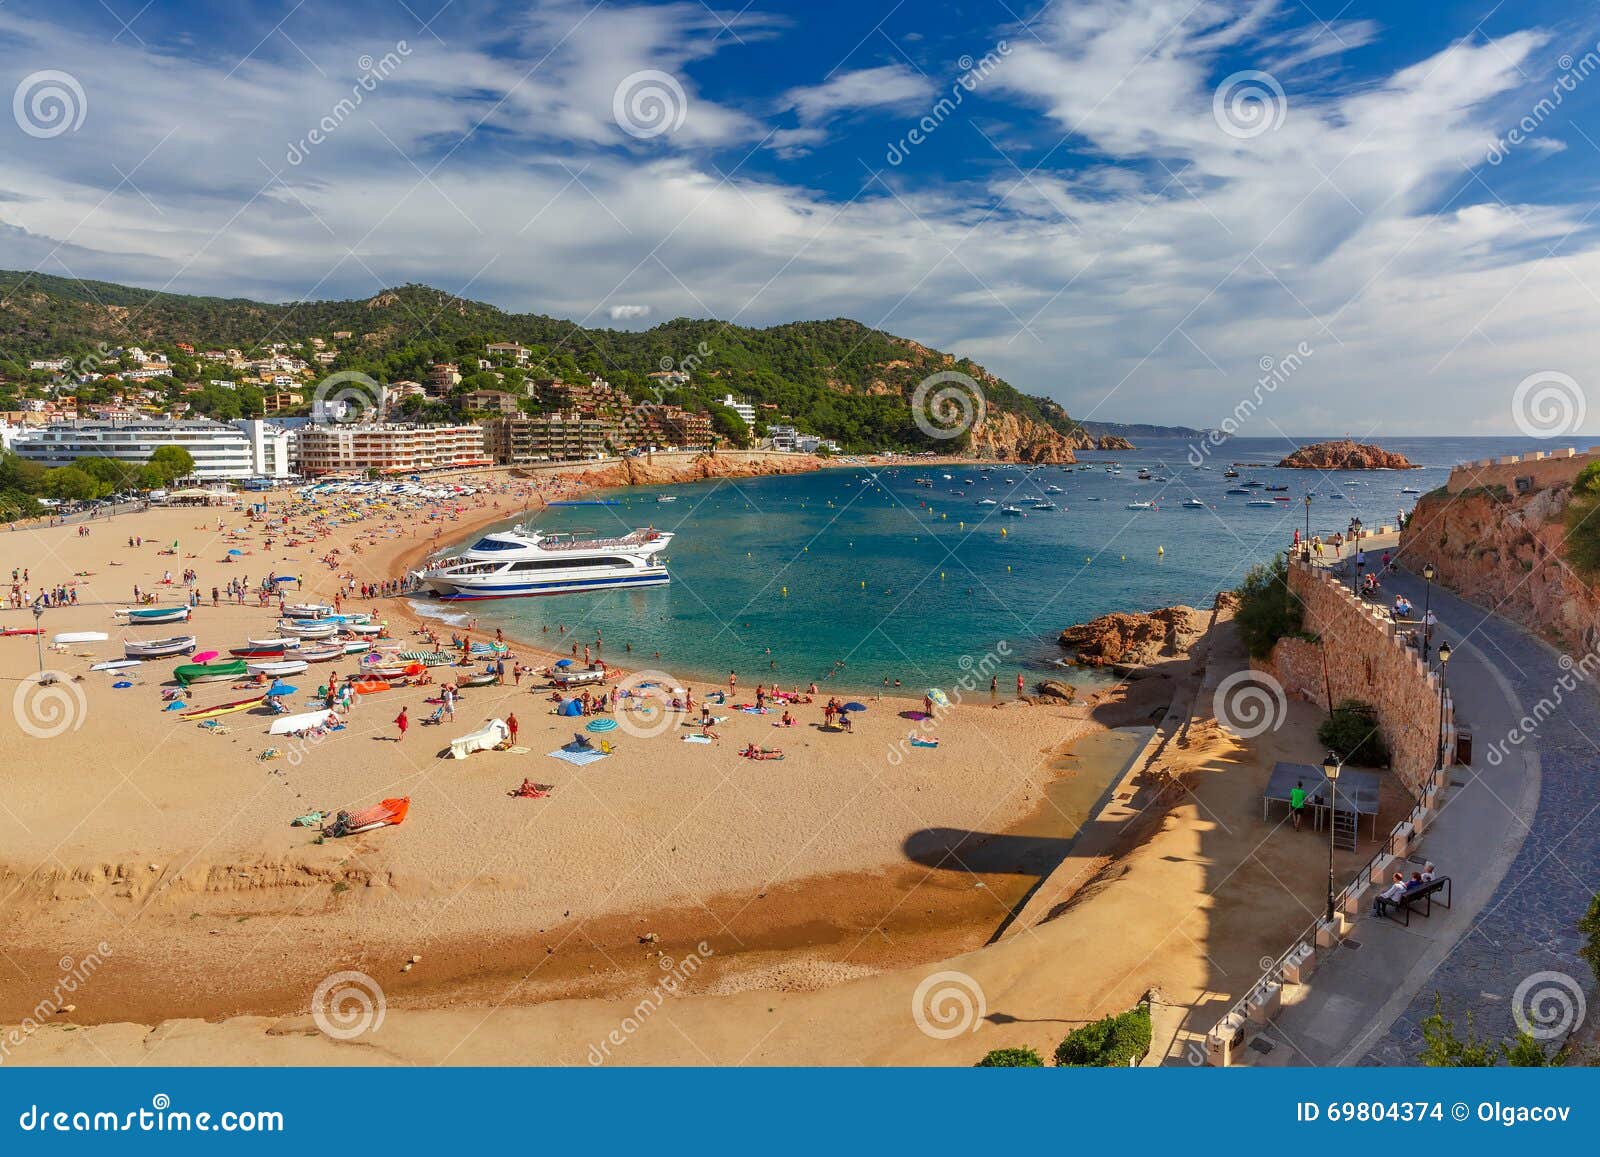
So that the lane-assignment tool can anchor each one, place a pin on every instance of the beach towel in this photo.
(576, 758)
(309, 820)
(531, 790)
(697, 739)
(175, 705)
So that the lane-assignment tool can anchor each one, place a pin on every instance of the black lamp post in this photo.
(38, 637)
(1305, 542)
(1330, 768)
(1444, 659)
(1427, 604)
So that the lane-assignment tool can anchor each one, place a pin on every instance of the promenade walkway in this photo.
(1518, 837)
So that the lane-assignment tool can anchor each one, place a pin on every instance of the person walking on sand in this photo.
(511, 727)
(733, 681)
(402, 723)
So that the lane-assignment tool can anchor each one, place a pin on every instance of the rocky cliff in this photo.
(1345, 455)
(1505, 552)
(1113, 442)
(1015, 438)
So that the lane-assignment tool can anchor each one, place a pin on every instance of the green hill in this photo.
(836, 378)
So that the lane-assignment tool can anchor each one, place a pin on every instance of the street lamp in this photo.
(1355, 532)
(1330, 768)
(1427, 603)
(38, 634)
(1305, 542)
(1444, 659)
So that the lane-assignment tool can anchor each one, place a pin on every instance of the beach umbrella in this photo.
(564, 663)
(599, 725)
(853, 706)
(279, 687)
(236, 551)
(938, 697)
(206, 656)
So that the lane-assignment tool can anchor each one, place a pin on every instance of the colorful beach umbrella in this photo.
(564, 663)
(601, 725)
(281, 688)
(938, 697)
(206, 656)
(853, 706)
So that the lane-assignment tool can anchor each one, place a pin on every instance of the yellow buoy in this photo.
(785, 592)
(1161, 550)
(1002, 532)
(863, 584)
(1008, 568)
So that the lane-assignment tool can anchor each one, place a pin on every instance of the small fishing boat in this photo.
(308, 610)
(1011, 511)
(158, 648)
(923, 481)
(305, 630)
(1141, 506)
(481, 679)
(389, 671)
(1252, 483)
(1044, 504)
(1267, 502)
(1237, 490)
(305, 721)
(9, 631)
(321, 654)
(116, 665)
(248, 652)
(189, 674)
(69, 637)
(1336, 496)
(1274, 489)
(1193, 504)
(224, 708)
(1409, 490)
(1054, 489)
(356, 646)
(363, 628)
(1281, 498)
(666, 498)
(155, 614)
(1230, 473)
(276, 668)
(987, 502)
(280, 642)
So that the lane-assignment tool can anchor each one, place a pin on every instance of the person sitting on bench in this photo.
(1381, 905)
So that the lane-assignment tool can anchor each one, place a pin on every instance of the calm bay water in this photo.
(839, 577)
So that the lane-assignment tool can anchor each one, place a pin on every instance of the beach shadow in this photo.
(961, 850)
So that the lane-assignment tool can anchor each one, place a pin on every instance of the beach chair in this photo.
(606, 748)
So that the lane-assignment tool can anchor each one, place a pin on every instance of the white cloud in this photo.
(628, 312)
(1145, 284)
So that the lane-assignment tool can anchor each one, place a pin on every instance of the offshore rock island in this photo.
(1344, 454)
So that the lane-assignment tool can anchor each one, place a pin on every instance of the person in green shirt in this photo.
(1297, 802)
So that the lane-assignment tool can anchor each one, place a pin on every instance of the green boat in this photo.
(191, 673)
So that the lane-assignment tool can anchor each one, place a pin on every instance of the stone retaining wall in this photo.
(1537, 471)
(1358, 656)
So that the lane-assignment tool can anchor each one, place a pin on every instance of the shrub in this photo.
(1268, 610)
(1023, 1058)
(1590, 927)
(1118, 1040)
(1582, 540)
(1352, 732)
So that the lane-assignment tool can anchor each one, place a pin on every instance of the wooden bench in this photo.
(1424, 896)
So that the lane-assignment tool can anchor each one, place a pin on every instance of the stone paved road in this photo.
(1528, 927)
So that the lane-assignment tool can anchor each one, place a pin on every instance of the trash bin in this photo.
(1464, 746)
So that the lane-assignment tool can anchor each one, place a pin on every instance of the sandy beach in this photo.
(820, 884)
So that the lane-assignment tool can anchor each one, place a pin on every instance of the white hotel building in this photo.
(221, 452)
(388, 449)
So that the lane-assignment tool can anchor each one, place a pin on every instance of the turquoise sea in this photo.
(849, 579)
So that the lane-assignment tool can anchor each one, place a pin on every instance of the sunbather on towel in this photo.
(754, 752)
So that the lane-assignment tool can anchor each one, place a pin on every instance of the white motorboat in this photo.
(285, 643)
(67, 638)
(1011, 511)
(523, 561)
(1141, 506)
(666, 498)
(987, 502)
(1044, 504)
(1193, 504)
(308, 610)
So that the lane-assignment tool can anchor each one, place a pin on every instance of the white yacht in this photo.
(522, 561)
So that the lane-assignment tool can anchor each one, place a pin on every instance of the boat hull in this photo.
(460, 592)
(156, 615)
(160, 648)
(191, 673)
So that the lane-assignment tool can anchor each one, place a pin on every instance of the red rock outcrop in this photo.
(1345, 455)
(1124, 639)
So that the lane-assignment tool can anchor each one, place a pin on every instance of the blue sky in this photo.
(1086, 211)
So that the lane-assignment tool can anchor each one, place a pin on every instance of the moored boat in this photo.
(158, 648)
(191, 673)
(276, 668)
(224, 708)
(249, 652)
(321, 654)
(524, 562)
(308, 610)
(308, 630)
(155, 614)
